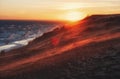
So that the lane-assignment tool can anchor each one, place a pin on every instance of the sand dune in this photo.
(88, 49)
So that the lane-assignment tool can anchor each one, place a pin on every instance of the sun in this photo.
(74, 16)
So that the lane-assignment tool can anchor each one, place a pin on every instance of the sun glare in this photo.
(74, 16)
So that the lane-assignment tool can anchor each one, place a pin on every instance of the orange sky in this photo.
(55, 9)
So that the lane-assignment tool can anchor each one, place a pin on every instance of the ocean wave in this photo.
(24, 42)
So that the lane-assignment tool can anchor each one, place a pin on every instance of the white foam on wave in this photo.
(15, 44)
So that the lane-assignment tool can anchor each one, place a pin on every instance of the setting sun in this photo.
(74, 16)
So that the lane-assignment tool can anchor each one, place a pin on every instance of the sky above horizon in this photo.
(55, 9)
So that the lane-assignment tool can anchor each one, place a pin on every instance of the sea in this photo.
(15, 34)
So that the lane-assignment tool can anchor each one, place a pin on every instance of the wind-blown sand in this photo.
(89, 49)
